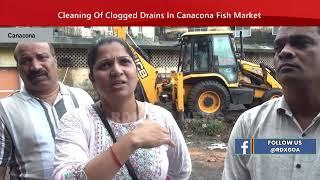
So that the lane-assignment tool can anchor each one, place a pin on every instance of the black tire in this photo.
(208, 88)
(270, 94)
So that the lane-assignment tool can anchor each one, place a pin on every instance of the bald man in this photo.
(295, 115)
(29, 118)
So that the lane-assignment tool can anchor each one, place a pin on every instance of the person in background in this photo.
(146, 136)
(29, 118)
(295, 115)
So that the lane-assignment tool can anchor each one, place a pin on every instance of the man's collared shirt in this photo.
(27, 130)
(272, 119)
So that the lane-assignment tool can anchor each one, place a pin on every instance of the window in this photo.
(275, 30)
(109, 30)
(196, 58)
(140, 30)
(193, 29)
(246, 31)
(224, 59)
(187, 58)
(200, 56)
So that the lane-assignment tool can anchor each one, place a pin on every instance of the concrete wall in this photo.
(77, 77)
(6, 57)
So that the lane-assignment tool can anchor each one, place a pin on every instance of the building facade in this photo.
(159, 43)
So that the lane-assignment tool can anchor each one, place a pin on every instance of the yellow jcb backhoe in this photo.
(209, 76)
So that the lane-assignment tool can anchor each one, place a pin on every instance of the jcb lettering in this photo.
(141, 70)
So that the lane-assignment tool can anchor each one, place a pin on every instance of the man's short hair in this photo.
(52, 51)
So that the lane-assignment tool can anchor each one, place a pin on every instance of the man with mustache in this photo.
(295, 115)
(29, 118)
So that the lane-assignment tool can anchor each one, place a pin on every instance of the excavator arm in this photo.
(147, 73)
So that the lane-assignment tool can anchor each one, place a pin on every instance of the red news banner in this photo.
(158, 12)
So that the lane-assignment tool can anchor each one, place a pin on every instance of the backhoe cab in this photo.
(212, 77)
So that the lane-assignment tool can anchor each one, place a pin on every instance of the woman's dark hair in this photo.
(93, 51)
